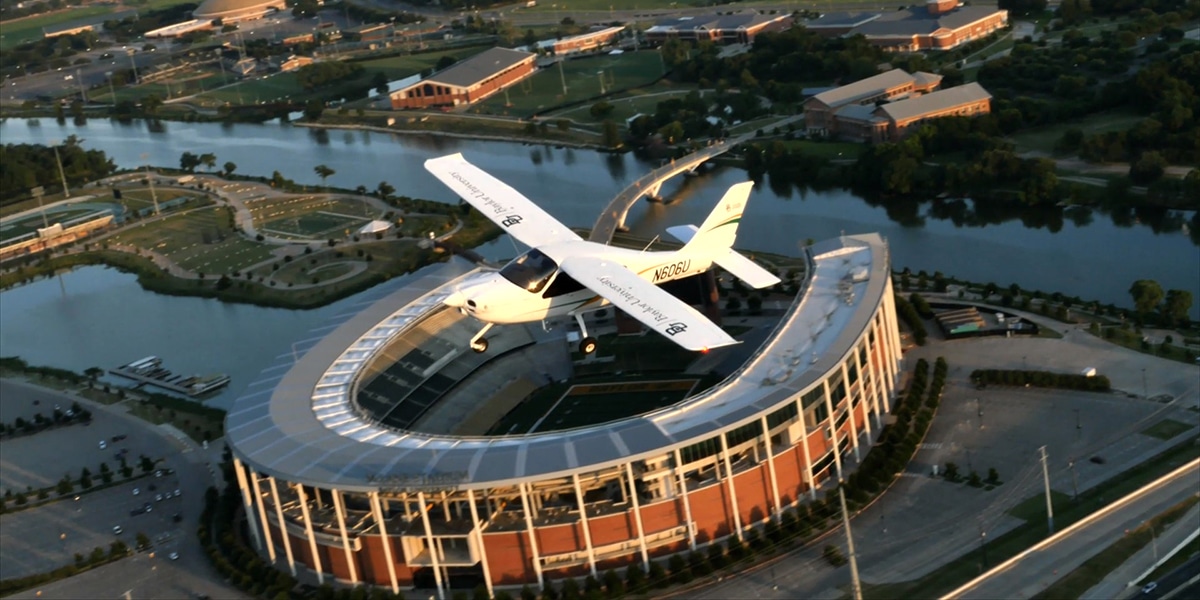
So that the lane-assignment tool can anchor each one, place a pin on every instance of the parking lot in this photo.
(38, 539)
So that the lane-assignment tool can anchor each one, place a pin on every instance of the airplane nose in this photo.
(456, 299)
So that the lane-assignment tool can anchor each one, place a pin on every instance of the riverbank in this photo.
(463, 127)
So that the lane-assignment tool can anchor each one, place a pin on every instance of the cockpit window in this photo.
(530, 271)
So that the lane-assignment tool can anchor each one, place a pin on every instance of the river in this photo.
(103, 311)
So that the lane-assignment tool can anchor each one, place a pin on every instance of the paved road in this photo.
(1040, 569)
(1127, 579)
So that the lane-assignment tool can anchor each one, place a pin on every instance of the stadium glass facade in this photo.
(509, 511)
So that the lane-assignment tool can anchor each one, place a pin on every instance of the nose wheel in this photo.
(589, 344)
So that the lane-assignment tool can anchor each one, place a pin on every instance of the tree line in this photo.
(26, 166)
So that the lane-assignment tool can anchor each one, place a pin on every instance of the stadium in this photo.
(382, 451)
(236, 11)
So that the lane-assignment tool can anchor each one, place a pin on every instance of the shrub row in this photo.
(98, 557)
(58, 418)
(1095, 383)
(909, 315)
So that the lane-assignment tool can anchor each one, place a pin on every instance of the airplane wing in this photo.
(647, 303)
(518, 215)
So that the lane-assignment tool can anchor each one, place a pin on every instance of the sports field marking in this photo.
(639, 387)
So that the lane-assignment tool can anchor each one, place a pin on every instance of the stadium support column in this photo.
(812, 485)
(737, 517)
(287, 541)
(851, 407)
(377, 510)
(246, 505)
(687, 505)
(837, 452)
(583, 521)
(886, 368)
(778, 511)
(339, 505)
(869, 393)
(637, 517)
(478, 528)
(434, 549)
(262, 516)
(308, 530)
(528, 510)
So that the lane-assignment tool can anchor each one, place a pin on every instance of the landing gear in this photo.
(479, 343)
(588, 344)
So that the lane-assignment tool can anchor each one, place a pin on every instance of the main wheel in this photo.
(588, 345)
(480, 345)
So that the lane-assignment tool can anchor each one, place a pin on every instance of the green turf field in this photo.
(311, 217)
(28, 29)
(566, 406)
(584, 78)
(1043, 139)
(200, 240)
(405, 65)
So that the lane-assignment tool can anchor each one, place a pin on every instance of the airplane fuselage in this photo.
(519, 295)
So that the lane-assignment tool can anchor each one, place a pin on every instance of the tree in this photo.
(1148, 168)
(384, 190)
(230, 167)
(313, 109)
(209, 160)
(143, 542)
(601, 109)
(188, 162)
(1147, 294)
(1023, 7)
(151, 103)
(323, 172)
(610, 135)
(379, 82)
(305, 8)
(1175, 308)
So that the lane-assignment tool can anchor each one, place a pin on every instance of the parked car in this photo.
(117, 529)
(137, 491)
(174, 556)
(158, 498)
(103, 445)
(1150, 587)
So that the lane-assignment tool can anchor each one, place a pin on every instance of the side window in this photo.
(562, 285)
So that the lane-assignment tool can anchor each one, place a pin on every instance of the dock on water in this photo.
(150, 371)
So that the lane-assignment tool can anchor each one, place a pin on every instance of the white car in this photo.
(117, 529)
(103, 444)
(174, 556)
(137, 491)
(177, 492)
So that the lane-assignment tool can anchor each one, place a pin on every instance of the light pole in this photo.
(112, 94)
(133, 64)
(855, 584)
(63, 175)
(1074, 482)
(1145, 388)
(1046, 481)
(979, 411)
(983, 546)
(150, 179)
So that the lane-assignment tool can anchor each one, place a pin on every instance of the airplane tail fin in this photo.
(719, 230)
(716, 236)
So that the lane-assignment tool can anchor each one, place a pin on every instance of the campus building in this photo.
(235, 11)
(740, 28)
(361, 456)
(467, 81)
(580, 43)
(938, 25)
(886, 106)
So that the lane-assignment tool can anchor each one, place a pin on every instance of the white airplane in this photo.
(565, 275)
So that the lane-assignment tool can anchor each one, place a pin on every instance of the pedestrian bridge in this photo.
(613, 217)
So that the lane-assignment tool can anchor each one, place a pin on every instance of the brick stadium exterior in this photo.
(329, 492)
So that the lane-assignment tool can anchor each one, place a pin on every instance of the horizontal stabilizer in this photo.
(746, 270)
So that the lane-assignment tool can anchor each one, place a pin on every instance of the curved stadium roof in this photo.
(296, 422)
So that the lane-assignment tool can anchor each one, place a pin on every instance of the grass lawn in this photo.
(405, 65)
(1166, 429)
(18, 31)
(200, 240)
(313, 270)
(544, 89)
(636, 101)
(1042, 139)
